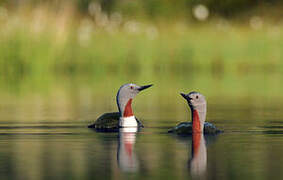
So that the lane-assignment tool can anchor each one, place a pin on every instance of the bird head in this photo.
(195, 100)
(126, 93)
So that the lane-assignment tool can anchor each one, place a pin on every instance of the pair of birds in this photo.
(125, 117)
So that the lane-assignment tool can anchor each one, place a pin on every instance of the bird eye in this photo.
(196, 97)
(131, 87)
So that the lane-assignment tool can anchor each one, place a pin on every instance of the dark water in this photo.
(250, 148)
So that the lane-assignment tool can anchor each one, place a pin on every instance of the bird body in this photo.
(197, 104)
(107, 121)
(187, 128)
(125, 117)
(110, 122)
(130, 121)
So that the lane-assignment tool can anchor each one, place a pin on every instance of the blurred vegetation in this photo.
(156, 8)
(215, 47)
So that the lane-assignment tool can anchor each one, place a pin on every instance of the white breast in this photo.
(128, 121)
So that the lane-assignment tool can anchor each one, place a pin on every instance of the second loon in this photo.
(197, 104)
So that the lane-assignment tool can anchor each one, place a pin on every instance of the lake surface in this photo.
(63, 148)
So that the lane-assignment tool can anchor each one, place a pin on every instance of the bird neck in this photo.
(128, 111)
(124, 106)
(127, 118)
(198, 121)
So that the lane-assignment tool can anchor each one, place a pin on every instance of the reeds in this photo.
(40, 43)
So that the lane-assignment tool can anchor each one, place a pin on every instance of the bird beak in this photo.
(185, 96)
(144, 87)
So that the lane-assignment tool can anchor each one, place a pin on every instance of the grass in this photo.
(39, 48)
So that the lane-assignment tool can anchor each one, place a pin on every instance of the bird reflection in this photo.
(126, 156)
(198, 159)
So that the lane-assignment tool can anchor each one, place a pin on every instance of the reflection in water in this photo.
(126, 156)
(198, 160)
(79, 153)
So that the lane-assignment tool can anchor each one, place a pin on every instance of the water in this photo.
(57, 148)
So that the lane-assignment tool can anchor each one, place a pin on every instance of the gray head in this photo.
(195, 100)
(126, 93)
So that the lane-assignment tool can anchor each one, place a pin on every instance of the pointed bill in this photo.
(183, 95)
(144, 87)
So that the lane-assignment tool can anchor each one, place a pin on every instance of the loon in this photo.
(197, 104)
(125, 117)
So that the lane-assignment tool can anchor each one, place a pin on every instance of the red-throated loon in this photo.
(125, 117)
(197, 104)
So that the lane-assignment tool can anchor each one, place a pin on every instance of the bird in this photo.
(197, 104)
(125, 117)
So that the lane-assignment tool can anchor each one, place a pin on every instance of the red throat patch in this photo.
(128, 109)
(196, 122)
